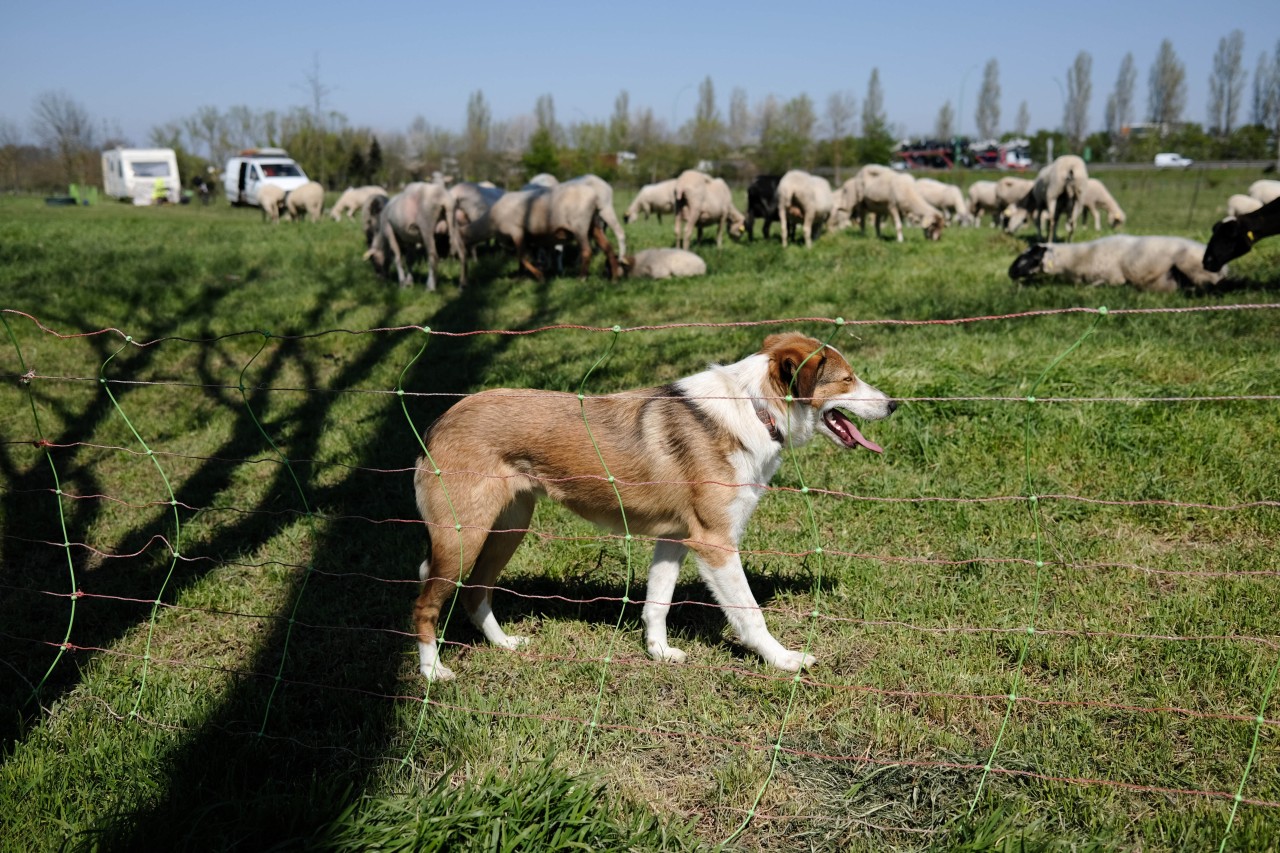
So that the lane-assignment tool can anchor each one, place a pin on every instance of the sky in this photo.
(137, 64)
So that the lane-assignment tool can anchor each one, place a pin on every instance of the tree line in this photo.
(634, 145)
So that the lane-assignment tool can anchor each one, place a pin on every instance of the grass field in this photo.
(220, 656)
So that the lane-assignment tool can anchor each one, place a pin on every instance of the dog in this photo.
(689, 461)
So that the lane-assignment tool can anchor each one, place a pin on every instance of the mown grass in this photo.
(269, 406)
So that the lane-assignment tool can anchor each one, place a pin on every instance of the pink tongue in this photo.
(848, 433)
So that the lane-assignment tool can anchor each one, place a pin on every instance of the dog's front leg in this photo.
(664, 571)
(728, 583)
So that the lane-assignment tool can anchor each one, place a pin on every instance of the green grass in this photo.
(262, 372)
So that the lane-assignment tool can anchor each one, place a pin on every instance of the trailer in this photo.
(141, 175)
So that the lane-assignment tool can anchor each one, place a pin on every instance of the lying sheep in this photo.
(308, 198)
(271, 200)
(656, 198)
(541, 216)
(806, 197)
(1239, 205)
(1097, 195)
(983, 200)
(1265, 191)
(665, 263)
(1156, 264)
(407, 226)
(948, 198)
(886, 192)
(353, 199)
(702, 200)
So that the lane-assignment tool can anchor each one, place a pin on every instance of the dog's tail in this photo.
(420, 493)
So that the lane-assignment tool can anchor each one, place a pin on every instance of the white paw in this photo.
(511, 642)
(663, 652)
(437, 672)
(794, 661)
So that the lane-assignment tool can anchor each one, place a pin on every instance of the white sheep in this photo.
(271, 200)
(807, 198)
(702, 200)
(1062, 182)
(542, 179)
(1156, 264)
(353, 199)
(846, 204)
(948, 198)
(1265, 191)
(407, 225)
(308, 198)
(665, 263)
(983, 201)
(656, 198)
(1238, 205)
(576, 209)
(1097, 195)
(886, 192)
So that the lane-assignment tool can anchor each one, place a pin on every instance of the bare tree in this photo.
(544, 113)
(63, 126)
(1075, 121)
(476, 139)
(841, 108)
(739, 118)
(944, 126)
(1122, 99)
(10, 141)
(1023, 122)
(318, 92)
(1262, 89)
(1166, 87)
(1226, 82)
(988, 114)
(620, 122)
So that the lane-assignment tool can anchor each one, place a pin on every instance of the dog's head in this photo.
(822, 387)
(1029, 263)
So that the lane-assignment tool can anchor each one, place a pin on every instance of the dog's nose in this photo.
(893, 406)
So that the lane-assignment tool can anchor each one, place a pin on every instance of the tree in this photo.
(988, 114)
(1166, 88)
(706, 137)
(840, 113)
(318, 92)
(1122, 99)
(475, 146)
(1022, 124)
(1226, 83)
(877, 142)
(1075, 121)
(63, 126)
(944, 124)
(739, 119)
(620, 123)
(544, 112)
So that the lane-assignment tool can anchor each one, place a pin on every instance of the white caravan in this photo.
(133, 174)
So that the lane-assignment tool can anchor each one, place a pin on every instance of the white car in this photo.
(1169, 160)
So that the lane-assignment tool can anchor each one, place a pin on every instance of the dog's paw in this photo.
(512, 642)
(437, 672)
(794, 661)
(669, 654)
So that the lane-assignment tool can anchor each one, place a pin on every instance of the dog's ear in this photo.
(795, 361)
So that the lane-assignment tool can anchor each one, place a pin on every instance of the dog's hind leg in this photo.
(452, 553)
(509, 531)
(664, 571)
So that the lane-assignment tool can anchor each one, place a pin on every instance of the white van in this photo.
(1169, 160)
(132, 174)
(253, 168)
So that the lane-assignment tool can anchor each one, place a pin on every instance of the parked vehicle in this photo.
(141, 175)
(1170, 160)
(253, 168)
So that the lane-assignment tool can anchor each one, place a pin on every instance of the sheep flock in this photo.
(544, 222)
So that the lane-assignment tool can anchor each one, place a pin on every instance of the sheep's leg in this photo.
(526, 263)
(611, 258)
(897, 222)
(808, 230)
(402, 272)
(782, 220)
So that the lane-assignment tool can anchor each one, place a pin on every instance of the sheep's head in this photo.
(378, 258)
(1117, 219)
(1029, 263)
(1230, 240)
(933, 227)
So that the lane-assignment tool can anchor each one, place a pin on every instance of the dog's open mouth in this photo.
(842, 428)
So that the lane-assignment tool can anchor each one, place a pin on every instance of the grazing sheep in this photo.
(353, 199)
(656, 198)
(665, 263)
(407, 225)
(1059, 184)
(1239, 205)
(1265, 191)
(575, 210)
(1097, 195)
(1156, 264)
(1235, 236)
(271, 200)
(762, 204)
(886, 192)
(702, 200)
(847, 199)
(948, 198)
(471, 204)
(983, 200)
(542, 179)
(309, 198)
(370, 215)
(806, 197)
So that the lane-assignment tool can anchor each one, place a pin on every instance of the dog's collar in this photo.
(770, 424)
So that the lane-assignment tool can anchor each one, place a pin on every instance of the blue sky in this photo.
(137, 64)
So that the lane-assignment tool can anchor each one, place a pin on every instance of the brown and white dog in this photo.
(690, 461)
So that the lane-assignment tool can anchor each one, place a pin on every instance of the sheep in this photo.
(575, 209)
(656, 198)
(846, 202)
(806, 197)
(353, 199)
(702, 200)
(271, 200)
(983, 200)
(1061, 182)
(762, 204)
(1155, 264)
(542, 179)
(406, 224)
(309, 198)
(1097, 195)
(665, 263)
(471, 204)
(1265, 191)
(946, 197)
(370, 215)
(886, 192)
(1239, 205)
(1235, 236)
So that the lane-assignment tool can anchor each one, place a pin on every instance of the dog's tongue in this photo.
(847, 432)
